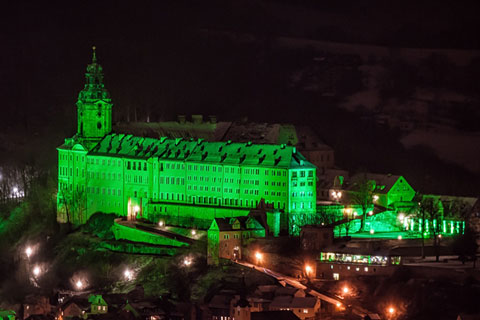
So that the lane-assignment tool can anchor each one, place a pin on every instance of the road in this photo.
(336, 301)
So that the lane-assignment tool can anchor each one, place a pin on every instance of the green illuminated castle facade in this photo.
(184, 180)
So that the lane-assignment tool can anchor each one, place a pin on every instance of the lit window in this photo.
(336, 276)
(366, 269)
(305, 310)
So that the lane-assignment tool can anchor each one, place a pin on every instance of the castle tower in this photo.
(94, 106)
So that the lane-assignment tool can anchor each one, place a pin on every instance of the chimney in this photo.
(181, 118)
(197, 118)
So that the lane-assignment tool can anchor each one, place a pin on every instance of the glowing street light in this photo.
(346, 290)
(136, 209)
(187, 262)
(194, 232)
(372, 231)
(370, 213)
(258, 256)
(375, 198)
(128, 274)
(79, 284)
(161, 223)
(28, 251)
(399, 237)
(391, 310)
(308, 269)
(36, 271)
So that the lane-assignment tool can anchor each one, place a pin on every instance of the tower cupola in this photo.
(94, 106)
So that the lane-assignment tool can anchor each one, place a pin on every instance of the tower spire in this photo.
(94, 57)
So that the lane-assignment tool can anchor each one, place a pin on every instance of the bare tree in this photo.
(73, 204)
(362, 195)
(428, 211)
(458, 209)
(434, 212)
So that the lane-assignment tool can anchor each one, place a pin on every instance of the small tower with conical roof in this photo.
(94, 106)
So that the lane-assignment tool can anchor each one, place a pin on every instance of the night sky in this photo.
(163, 58)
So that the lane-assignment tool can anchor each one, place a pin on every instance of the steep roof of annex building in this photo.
(227, 153)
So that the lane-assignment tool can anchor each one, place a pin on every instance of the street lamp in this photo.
(128, 274)
(187, 262)
(346, 290)
(194, 232)
(28, 251)
(391, 311)
(161, 223)
(79, 284)
(308, 270)
(259, 257)
(36, 271)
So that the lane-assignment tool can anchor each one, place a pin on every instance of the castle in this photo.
(185, 181)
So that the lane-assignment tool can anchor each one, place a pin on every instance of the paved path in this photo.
(327, 297)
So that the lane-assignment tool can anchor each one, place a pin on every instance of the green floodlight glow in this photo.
(182, 181)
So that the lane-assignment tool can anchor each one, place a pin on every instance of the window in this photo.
(336, 276)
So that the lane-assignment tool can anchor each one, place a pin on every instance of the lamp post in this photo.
(258, 257)
(308, 270)
(391, 312)
(36, 271)
(28, 251)
(79, 284)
